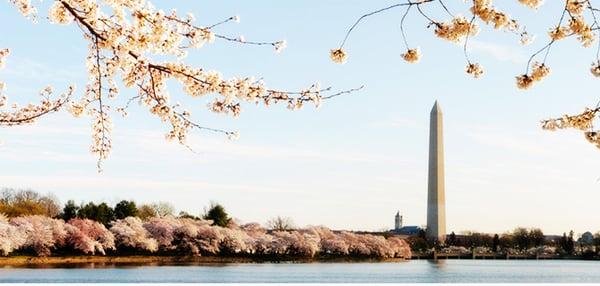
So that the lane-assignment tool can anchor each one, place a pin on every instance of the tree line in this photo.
(35, 224)
(15, 203)
(520, 240)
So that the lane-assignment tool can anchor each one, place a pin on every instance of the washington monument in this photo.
(436, 199)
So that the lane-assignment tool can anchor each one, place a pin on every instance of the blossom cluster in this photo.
(456, 30)
(532, 3)
(577, 24)
(412, 55)
(189, 237)
(25, 7)
(484, 10)
(583, 121)
(538, 72)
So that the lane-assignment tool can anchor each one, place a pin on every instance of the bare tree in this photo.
(163, 209)
(280, 223)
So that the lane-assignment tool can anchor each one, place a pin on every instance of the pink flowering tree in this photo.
(11, 237)
(295, 243)
(399, 247)
(42, 234)
(162, 229)
(331, 243)
(188, 236)
(130, 233)
(89, 236)
(79, 241)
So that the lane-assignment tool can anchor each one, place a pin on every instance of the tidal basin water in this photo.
(401, 272)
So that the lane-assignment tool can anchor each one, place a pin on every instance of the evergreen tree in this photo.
(69, 211)
(451, 240)
(101, 213)
(570, 243)
(495, 242)
(125, 209)
(217, 214)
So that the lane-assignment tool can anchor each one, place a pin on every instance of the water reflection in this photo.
(108, 265)
(438, 264)
(462, 271)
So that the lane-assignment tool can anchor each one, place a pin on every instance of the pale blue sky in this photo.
(348, 165)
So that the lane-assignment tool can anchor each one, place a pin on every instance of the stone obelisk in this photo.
(436, 199)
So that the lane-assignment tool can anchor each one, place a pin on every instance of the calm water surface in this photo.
(413, 271)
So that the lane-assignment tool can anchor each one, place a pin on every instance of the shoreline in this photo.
(154, 260)
(24, 261)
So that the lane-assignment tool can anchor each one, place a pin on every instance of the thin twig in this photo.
(467, 40)
(409, 3)
(402, 26)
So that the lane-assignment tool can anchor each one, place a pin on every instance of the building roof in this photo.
(412, 229)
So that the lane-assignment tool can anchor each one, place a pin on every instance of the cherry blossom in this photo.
(578, 19)
(91, 236)
(134, 45)
(11, 237)
(130, 232)
(43, 234)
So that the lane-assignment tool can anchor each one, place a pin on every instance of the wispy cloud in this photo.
(498, 51)
(24, 68)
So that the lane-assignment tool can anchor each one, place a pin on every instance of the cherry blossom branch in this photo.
(31, 112)
(409, 3)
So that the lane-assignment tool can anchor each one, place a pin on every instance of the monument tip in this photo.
(436, 107)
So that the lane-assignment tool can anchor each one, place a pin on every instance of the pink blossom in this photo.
(11, 237)
(162, 229)
(90, 236)
(130, 232)
(42, 233)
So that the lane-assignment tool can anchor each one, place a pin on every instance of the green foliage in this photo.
(495, 242)
(419, 244)
(101, 213)
(520, 238)
(536, 237)
(524, 239)
(69, 211)
(451, 239)
(566, 243)
(480, 239)
(183, 214)
(217, 214)
(124, 209)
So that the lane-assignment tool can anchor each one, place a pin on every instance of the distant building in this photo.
(586, 238)
(398, 221)
(408, 230)
(404, 230)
